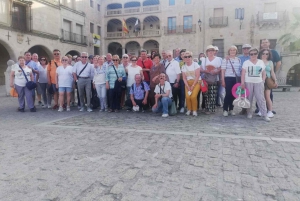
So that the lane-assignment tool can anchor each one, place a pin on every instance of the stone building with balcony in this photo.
(39, 26)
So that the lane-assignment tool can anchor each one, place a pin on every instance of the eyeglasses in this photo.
(211, 50)
(187, 56)
(43, 59)
(84, 57)
(56, 54)
(133, 60)
(125, 57)
(65, 60)
(169, 55)
(115, 59)
(265, 54)
(253, 54)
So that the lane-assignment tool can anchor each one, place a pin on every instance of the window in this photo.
(187, 24)
(239, 13)
(19, 17)
(220, 44)
(91, 27)
(98, 7)
(171, 2)
(239, 49)
(188, 1)
(171, 24)
(92, 3)
(67, 30)
(270, 7)
(99, 30)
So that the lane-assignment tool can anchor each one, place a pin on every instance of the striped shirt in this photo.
(111, 76)
(236, 63)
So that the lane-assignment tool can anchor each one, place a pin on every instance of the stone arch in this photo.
(289, 61)
(151, 45)
(6, 54)
(132, 4)
(114, 6)
(151, 22)
(115, 48)
(132, 48)
(150, 2)
(130, 22)
(41, 50)
(293, 76)
(114, 25)
(73, 52)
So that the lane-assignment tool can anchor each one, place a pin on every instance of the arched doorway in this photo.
(151, 45)
(293, 76)
(114, 28)
(3, 62)
(73, 53)
(42, 51)
(115, 48)
(132, 48)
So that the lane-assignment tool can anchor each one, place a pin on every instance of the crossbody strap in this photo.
(116, 72)
(233, 68)
(55, 64)
(81, 70)
(168, 65)
(24, 73)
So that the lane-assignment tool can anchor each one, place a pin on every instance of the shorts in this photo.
(65, 89)
(54, 88)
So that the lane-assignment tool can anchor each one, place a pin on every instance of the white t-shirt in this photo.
(216, 62)
(254, 71)
(43, 74)
(20, 79)
(132, 71)
(164, 89)
(172, 70)
(190, 70)
(65, 76)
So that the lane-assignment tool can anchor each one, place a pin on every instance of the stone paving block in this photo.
(129, 174)
(268, 190)
(230, 176)
(117, 188)
(150, 191)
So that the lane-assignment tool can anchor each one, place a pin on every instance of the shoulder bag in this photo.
(237, 78)
(271, 84)
(119, 85)
(30, 84)
(209, 78)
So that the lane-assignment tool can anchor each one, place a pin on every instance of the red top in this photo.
(148, 65)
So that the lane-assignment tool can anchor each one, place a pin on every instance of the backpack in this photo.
(142, 88)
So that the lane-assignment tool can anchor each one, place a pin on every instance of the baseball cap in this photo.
(216, 48)
(91, 56)
(246, 46)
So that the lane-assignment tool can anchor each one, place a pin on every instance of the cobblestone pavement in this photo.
(53, 156)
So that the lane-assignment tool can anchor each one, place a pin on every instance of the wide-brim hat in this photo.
(210, 47)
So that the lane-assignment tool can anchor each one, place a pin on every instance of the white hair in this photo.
(84, 53)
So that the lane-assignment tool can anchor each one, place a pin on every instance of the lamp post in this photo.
(95, 40)
(199, 24)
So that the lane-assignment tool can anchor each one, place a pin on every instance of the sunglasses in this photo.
(169, 55)
(125, 57)
(133, 60)
(43, 59)
(187, 56)
(65, 60)
(84, 57)
(56, 54)
(265, 54)
(115, 59)
(253, 54)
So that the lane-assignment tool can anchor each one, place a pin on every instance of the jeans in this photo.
(101, 92)
(128, 93)
(23, 93)
(229, 98)
(181, 94)
(175, 93)
(84, 84)
(44, 93)
(163, 105)
(115, 99)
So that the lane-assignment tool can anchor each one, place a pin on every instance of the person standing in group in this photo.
(155, 72)
(163, 96)
(230, 73)
(146, 65)
(18, 81)
(266, 56)
(114, 73)
(83, 73)
(164, 58)
(38, 89)
(201, 55)
(99, 82)
(33, 65)
(71, 63)
(126, 64)
(173, 71)
(211, 67)
(64, 83)
(253, 78)
(221, 90)
(181, 83)
(177, 54)
(51, 75)
(43, 82)
(190, 75)
(132, 70)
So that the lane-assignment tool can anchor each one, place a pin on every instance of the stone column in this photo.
(123, 50)
(10, 63)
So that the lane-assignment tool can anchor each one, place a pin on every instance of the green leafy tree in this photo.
(292, 39)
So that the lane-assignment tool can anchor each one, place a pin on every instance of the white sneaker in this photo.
(182, 110)
(188, 113)
(267, 119)
(270, 114)
(259, 114)
(195, 113)
(68, 109)
(81, 109)
(44, 106)
(49, 107)
(164, 115)
(89, 110)
(60, 109)
(249, 116)
(232, 113)
(225, 113)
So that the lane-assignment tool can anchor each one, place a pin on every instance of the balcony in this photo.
(218, 22)
(73, 38)
(131, 10)
(151, 8)
(272, 19)
(181, 29)
(144, 33)
(114, 12)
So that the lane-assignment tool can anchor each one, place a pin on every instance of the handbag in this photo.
(209, 78)
(119, 84)
(29, 84)
(271, 84)
(237, 78)
(173, 110)
(242, 102)
(204, 86)
(13, 92)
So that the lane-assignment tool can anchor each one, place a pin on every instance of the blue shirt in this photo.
(111, 76)
(243, 58)
(34, 66)
(138, 92)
